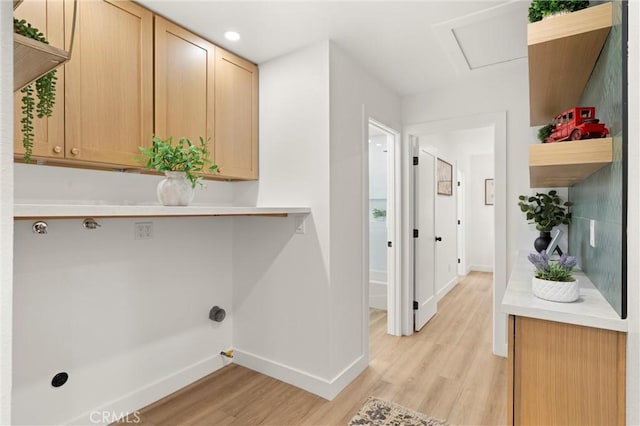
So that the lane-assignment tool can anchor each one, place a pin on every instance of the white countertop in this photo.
(23, 211)
(591, 310)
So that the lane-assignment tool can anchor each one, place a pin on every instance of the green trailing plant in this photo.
(545, 132)
(542, 8)
(185, 156)
(545, 210)
(45, 89)
(553, 271)
(377, 213)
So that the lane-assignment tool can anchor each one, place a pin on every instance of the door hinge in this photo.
(415, 161)
(415, 233)
(389, 244)
(458, 260)
(415, 305)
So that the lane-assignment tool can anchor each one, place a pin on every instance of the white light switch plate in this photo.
(592, 233)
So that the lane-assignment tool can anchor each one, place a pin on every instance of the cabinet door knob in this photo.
(75, 151)
(57, 149)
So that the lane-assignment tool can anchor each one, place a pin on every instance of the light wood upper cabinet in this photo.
(109, 82)
(236, 116)
(48, 141)
(184, 83)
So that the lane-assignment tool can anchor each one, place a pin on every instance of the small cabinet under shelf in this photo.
(562, 53)
(563, 164)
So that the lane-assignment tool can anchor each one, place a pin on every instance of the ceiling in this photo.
(405, 44)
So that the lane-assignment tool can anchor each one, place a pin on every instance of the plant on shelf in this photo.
(185, 156)
(181, 164)
(554, 281)
(378, 214)
(545, 132)
(540, 9)
(45, 89)
(561, 271)
(546, 211)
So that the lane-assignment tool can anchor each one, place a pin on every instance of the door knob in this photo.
(75, 151)
(438, 238)
(57, 149)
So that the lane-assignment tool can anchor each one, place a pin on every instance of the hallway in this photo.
(446, 371)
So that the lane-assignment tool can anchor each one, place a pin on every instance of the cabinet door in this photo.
(109, 89)
(184, 83)
(48, 140)
(236, 112)
(566, 374)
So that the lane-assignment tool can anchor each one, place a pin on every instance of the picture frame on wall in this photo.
(445, 178)
(489, 192)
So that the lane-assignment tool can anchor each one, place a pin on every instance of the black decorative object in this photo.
(542, 242)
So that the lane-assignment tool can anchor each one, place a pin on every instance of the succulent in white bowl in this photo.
(554, 281)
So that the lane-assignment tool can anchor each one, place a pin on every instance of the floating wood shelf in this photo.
(562, 53)
(562, 164)
(29, 211)
(33, 59)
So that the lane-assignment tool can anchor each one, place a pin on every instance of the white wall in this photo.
(6, 209)
(102, 306)
(355, 97)
(301, 314)
(480, 229)
(121, 316)
(281, 286)
(633, 228)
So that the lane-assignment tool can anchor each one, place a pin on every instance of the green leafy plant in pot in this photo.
(44, 87)
(546, 211)
(542, 8)
(181, 164)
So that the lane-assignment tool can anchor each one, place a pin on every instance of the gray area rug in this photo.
(378, 412)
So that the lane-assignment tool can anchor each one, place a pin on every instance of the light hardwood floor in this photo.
(446, 371)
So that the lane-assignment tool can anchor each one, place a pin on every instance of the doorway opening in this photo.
(383, 211)
(439, 136)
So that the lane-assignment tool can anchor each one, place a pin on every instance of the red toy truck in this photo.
(577, 123)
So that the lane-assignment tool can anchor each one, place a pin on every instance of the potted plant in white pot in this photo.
(180, 164)
(546, 211)
(554, 281)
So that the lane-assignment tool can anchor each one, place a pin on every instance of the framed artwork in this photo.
(489, 192)
(445, 178)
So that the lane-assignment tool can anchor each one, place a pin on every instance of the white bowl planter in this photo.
(175, 189)
(556, 291)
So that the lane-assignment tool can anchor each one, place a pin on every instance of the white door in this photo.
(460, 194)
(424, 282)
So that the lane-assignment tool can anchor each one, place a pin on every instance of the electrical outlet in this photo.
(299, 223)
(143, 230)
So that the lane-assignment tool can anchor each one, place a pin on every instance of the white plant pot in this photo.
(556, 291)
(175, 190)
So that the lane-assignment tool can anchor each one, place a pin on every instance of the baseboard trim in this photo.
(327, 389)
(447, 288)
(150, 393)
(481, 268)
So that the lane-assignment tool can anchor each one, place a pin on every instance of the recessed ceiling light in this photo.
(232, 36)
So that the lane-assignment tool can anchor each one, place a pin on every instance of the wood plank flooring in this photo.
(446, 371)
